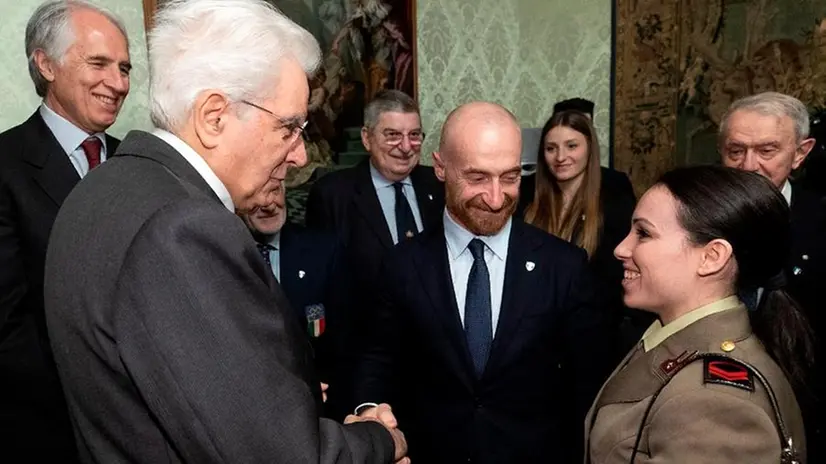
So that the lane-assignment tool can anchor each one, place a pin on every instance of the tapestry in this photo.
(646, 79)
(367, 46)
(680, 64)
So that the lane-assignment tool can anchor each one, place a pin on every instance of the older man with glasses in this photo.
(384, 200)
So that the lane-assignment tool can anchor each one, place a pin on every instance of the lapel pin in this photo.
(301, 274)
(430, 197)
(529, 265)
(797, 271)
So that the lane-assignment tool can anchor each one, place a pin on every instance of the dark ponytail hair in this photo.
(747, 211)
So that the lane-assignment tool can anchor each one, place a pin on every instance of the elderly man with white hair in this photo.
(173, 340)
(768, 133)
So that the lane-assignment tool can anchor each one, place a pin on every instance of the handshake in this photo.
(383, 414)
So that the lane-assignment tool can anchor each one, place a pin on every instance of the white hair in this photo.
(772, 104)
(235, 46)
(50, 29)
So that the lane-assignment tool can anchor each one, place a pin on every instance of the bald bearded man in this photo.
(485, 340)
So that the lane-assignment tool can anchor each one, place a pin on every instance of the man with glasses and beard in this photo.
(484, 322)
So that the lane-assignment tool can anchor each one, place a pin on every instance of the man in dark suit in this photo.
(484, 320)
(173, 341)
(383, 200)
(768, 133)
(41, 161)
(308, 265)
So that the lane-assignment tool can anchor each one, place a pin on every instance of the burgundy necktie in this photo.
(91, 147)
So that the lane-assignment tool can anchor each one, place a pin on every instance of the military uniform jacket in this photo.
(696, 418)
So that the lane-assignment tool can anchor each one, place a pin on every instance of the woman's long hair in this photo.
(747, 211)
(548, 211)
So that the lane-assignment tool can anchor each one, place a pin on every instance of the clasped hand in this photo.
(384, 415)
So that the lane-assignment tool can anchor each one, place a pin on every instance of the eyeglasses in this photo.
(393, 138)
(295, 128)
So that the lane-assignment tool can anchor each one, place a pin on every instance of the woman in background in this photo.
(572, 197)
(711, 381)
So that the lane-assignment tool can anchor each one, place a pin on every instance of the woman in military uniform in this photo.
(712, 380)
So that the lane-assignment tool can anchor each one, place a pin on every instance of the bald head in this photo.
(471, 120)
(479, 162)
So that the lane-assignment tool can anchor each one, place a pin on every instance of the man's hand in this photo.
(383, 414)
(324, 388)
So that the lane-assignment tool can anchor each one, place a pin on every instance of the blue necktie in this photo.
(478, 323)
(405, 222)
(264, 249)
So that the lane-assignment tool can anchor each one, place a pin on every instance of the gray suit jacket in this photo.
(160, 311)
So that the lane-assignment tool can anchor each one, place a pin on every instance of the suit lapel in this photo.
(434, 270)
(289, 253)
(367, 202)
(426, 198)
(54, 172)
(518, 290)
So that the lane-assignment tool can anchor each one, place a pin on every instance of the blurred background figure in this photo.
(575, 199)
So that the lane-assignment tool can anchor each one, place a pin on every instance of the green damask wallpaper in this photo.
(523, 54)
(19, 98)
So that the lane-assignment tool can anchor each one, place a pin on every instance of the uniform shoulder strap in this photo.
(726, 370)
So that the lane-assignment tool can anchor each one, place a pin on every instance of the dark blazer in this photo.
(173, 340)
(618, 203)
(313, 276)
(35, 177)
(345, 203)
(545, 365)
(806, 274)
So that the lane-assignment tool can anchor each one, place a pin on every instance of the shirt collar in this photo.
(787, 192)
(67, 134)
(197, 162)
(379, 181)
(274, 240)
(658, 333)
(458, 238)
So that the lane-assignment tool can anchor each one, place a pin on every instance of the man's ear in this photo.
(45, 65)
(365, 138)
(209, 116)
(716, 255)
(802, 152)
(439, 166)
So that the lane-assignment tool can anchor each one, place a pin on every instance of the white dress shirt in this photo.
(461, 260)
(387, 200)
(194, 159)
(787, 192)
(70, 137)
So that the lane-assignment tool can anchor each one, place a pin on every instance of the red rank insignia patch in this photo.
(729, 373)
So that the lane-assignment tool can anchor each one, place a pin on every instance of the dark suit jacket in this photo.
(35, 177)
(806, 275)
(313, 274)
(346, 203)
(618, 203)
(545, 367)
(173, 341)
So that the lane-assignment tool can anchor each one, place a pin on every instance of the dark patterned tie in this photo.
(91, 147)
(405, 222)
(264, 249)
(478, 323)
